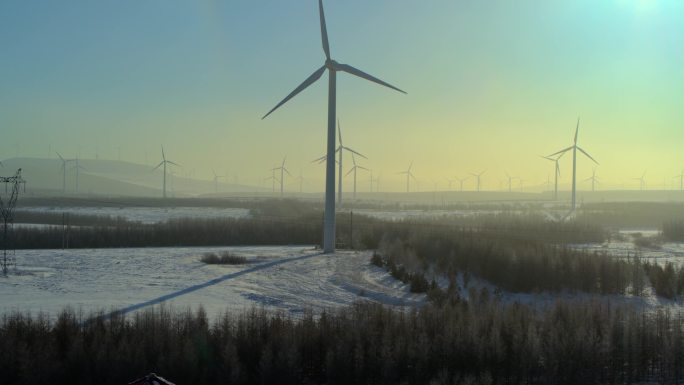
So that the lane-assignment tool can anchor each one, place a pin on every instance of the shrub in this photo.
(225, 258)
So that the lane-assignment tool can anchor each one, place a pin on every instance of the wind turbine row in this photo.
(332, 67)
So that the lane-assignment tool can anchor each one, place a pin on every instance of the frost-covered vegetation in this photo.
(480, 341)
(222, 258)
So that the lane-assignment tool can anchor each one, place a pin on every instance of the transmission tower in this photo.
(7, 213)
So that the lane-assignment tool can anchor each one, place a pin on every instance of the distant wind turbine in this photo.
(355, 168)
(461, 180)
(64, 170)
(450, 182)
(594, 180)
(409, 175)
(642, 181)
(282, 170)
(574, 149)
(272, 178)
(77, 167)
(163, 163)
(333, 67)
(556, 173)
(681, 180)
(340, 151)
(478, 178)
(216, 178)
(510, 181)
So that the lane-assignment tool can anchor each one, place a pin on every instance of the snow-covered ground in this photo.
(147, 214)
(286, 278)
(624, 247)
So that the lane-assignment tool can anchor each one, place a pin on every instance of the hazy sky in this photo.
(491, 85)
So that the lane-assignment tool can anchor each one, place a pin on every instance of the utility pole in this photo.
(7, 213)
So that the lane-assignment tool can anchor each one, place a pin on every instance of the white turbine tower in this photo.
(333, 67)
(355, 168)
(574, 149)
(478, 178)
(164, 162)
(409, 175)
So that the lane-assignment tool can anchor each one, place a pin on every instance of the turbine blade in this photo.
(577, 129)
(324, 30)
(585, 153)
(173, 163)
(163, 156)
(355, 152)
(288, 172)
(310, 80)
(561, 151)
(349, 69)
(159, 165)
(350, 170)
(362, 168)
(60, 157)
(318, 160)
(339, 132)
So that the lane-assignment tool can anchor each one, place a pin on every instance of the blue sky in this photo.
(491, 84)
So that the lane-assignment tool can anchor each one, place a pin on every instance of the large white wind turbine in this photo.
(574, 149)
(355, 168)
(164, 162)
(409, 175)
(333, 67)
(478, 178)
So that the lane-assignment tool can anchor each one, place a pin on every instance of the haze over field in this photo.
(491, 86)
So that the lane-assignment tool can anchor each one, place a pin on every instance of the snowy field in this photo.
(291, 279)
(624, 247)
(146, 214)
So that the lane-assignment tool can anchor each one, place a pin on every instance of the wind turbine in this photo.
(681, 180)
(478, 178)
(333, 67)
(556, 173)
(510, 181)
(77, 167)
(216, 178)
(272, 178)
(461, 180)
(64, 170)
(282, 170)
(409, 175)
(642, 181)
(340, 150)
(574, 149)
(593, 180)
(164, 162)
(354, 169)
(450, 182)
